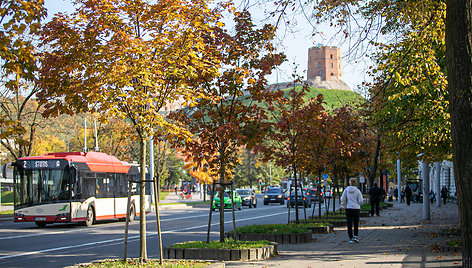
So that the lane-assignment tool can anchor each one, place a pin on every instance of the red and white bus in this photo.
(74, 187)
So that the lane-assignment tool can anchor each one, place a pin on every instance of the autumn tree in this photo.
(291, 116)
(223, 118)
(422, 39)
(253, 168)
(127, 59)
(344, 157)
(19, 115)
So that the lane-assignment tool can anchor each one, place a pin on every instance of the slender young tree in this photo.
(226, 115)
(127, 59)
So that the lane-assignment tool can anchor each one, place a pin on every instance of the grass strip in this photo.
(228, 244)
(7, 198)
(148, 263)
(6, 212)
(273, 229)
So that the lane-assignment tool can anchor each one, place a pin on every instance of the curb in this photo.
(251, 254)
(291, 238)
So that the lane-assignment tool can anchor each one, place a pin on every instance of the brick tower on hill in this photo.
(324, 69)
(324, 63)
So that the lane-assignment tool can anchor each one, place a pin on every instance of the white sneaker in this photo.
(351, 241)
(355, 239)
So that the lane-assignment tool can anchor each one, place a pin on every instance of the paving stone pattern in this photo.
(397, 238)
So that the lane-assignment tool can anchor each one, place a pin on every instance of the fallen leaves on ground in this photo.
(435, 248)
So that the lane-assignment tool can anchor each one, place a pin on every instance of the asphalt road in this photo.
(59, 245)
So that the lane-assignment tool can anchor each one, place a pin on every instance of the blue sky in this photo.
(293, 43)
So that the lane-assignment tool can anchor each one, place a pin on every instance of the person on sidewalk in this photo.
(444, 194)
(432, 196)
(375, 194)
(351, 200)
(408, 194)
(390, 195)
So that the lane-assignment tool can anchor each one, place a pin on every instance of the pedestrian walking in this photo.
(408, 194)
(175, 188)
(390, 195)
(351, 200)
(395, 193)
(375, 194)
(444, 192)
(402, 194)
(432, 196)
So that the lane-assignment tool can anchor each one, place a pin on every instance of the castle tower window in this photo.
(319, 65)
(332, 74)
(320, 73)
(331, 56)
(331, 65)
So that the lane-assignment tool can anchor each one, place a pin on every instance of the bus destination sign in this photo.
(45, 164)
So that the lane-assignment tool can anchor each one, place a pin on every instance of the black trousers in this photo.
(352, 218)
(375, 204)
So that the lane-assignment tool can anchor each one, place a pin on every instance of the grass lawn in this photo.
(228, 244)
(163, 195)
(7, 198)
(6, 212)
(273, 229)
(149, 263)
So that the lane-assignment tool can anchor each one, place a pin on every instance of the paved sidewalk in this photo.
(398, 238)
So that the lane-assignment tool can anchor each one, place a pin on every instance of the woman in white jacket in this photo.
(351, 200)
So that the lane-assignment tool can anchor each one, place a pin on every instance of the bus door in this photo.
(104, 201)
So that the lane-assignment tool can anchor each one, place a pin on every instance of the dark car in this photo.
(248, 197)
(301, 199)
(274, 195)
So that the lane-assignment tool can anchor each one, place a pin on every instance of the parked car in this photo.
(227, 200)
(273, 195)
(248, 197)
(301, 199)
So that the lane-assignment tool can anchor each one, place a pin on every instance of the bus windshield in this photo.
(39, 186)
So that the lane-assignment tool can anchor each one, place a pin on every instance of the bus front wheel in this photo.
(90, 217)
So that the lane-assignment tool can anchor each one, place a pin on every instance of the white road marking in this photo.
(102, 227)
(130, 238)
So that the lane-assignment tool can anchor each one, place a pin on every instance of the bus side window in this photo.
(102, 185)
(89, 187)
(88, 184)
(122, 187)
(111, 187)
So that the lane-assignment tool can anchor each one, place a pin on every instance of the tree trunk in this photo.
(211, 210)
(158, 221)
(459, 71)
(142, 203)
(222, 209)
(374, 168)
(296, 194)
(232, 212)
